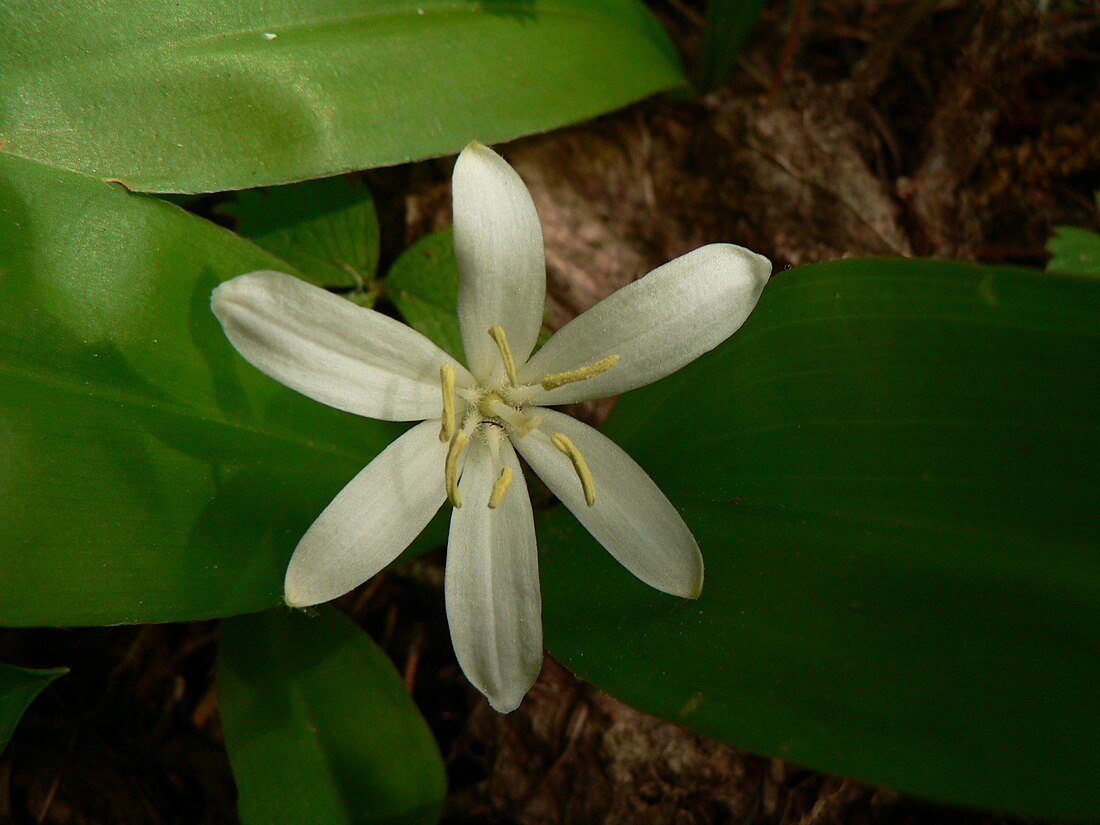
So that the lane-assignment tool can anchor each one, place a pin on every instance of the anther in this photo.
(560, 379)
(496, 332)
(447, 381)
(500, 487)
(458, 444)
(563, 443)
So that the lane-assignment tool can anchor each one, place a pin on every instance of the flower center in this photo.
(490, 413)
(485, 405)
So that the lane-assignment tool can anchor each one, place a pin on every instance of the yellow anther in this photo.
(496, 332)
(458, 444)
(447, 381)
(500, 487)
(560, 379)
(563, 443)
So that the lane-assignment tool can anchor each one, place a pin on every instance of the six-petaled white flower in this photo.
(476, 419)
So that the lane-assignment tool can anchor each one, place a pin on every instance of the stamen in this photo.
(447, 381)
(560, 379)
(496, 332)
(563, 443)
(458, 444)
(500, 487)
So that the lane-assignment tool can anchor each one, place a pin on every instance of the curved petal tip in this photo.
(696, 589)
(759, 268)
(505, 704)
(686, 583)
(298, 589)
(475, 146)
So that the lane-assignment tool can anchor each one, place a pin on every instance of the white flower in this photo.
(476, 419)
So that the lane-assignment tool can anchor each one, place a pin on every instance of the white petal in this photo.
(631, 517)
(328, 348)
(655, 325)
(372, 520)
(498, 249)
(494, 606)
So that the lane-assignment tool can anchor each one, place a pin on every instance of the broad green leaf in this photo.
(326, 228)
(147, 473)
(892, 474)
(423, 285)
(216, 96)
(319, 726)
(18, 688)
(1075, 251)
(727, 27)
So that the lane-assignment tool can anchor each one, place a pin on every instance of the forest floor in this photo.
(952, 128)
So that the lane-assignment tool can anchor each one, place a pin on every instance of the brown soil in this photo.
(955, 128)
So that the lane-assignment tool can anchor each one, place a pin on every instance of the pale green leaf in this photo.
(147, 472)
(212, 95)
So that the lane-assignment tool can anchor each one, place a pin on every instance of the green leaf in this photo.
(728, 25)
(147, 472)
(423, 285)
(319, 726)
(327, 229)
(18, 688)
(257, 93)
(892, 474)
(1075, 251)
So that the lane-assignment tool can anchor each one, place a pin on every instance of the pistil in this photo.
(492, 406)
(492, 413)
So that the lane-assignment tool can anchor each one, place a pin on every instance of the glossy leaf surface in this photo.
(215, 96)
(147, 473)
(319, 726)
(327, 229)
(18, 688)
(891, 472)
